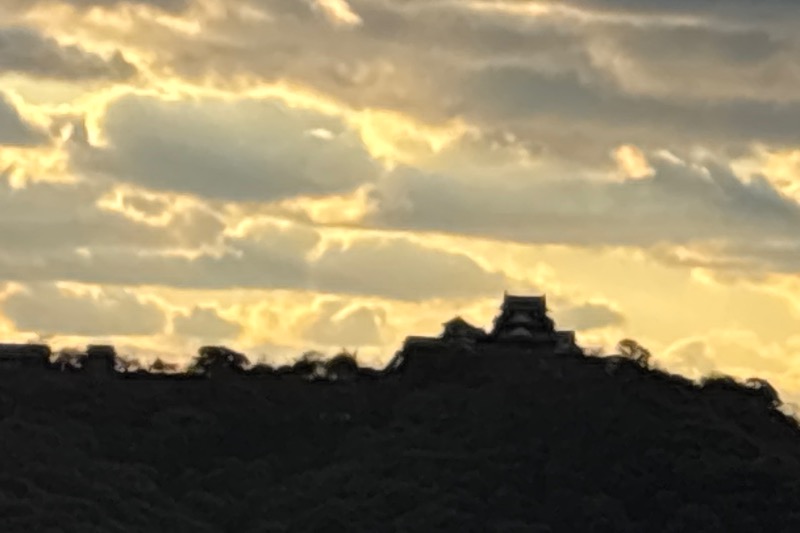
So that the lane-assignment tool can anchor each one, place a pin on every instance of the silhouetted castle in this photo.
(523, 323)
(522, 331)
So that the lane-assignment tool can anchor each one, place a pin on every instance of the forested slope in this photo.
(512, 443)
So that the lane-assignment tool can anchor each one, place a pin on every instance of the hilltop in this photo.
(471, 431)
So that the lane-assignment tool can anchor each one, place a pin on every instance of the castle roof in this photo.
(524, 302)
(460, 328)
(459, 323)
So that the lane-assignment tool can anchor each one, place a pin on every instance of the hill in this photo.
(449, 441)
(513, 430)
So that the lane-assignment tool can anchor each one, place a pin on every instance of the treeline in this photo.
(208, 361)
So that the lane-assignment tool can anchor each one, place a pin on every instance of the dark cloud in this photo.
(752, 260)
(680, 203)
(395, 60)
(255, 268)
(403, 270)
(167, 5)
(146, 206)
(743, 11)
(55, 218)
(172, 6)
(472, 38)
(598, 82)
(241, 151)
(678, 44)
(27, 51)
(693, 65)
(589, 316)
(205, 323)
(14, 130)
(57, 232)
(604, 116)
(273, 259)
(276, 260)
(45, 308)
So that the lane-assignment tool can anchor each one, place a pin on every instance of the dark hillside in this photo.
(453, 440)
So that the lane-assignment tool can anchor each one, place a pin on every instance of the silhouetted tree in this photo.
(160, 366)
(767, 391)
(342, 367)
(125, 364)
(209, 356)
(633, 350)
(310, 365)
(68, 358)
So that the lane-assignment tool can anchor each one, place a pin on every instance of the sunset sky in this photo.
(286, 175)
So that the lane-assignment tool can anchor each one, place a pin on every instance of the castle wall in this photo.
(17, 356)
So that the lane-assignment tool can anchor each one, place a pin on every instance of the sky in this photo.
(290, 175)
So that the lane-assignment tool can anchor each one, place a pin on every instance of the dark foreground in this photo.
(547, 444)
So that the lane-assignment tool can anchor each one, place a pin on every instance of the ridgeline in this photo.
(510, 431)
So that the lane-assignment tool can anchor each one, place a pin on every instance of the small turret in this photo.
(566, 343)
(100, 361)
(460, 330)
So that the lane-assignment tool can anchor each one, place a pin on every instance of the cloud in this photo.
(15, 130)
(269, 257)
(146, 206)
(691, 357)
(167, 5)
(27, 51)
(172, 6)
(528, 103)
(632, 163)
(740, 10)
(244, 265)
(58, 232)
(46, 308)
(735, 352)
(338, 12)
(693, 64)
(732, 261)
(396, 60)
(589, 316)
(573, 85)
(52, 218)
(682, 202)
(562, 82)
(338, 325)
(245, 150)
(402, 270)
(205, 323)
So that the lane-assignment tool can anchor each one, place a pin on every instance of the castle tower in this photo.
(523, 319)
